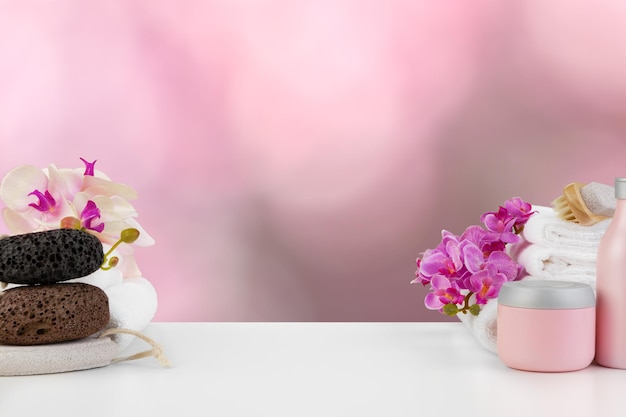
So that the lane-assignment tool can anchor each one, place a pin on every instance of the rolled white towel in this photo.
(133, 304)
(484, 325)
(132, 301)
(547, 229)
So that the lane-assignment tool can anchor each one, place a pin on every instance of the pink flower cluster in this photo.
(471, 268)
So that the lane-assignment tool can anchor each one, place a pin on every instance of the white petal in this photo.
(114, 208)
(19, 223)
(128, 265)
(63, 182)
(18, 183)
(144, 238)
(98, 186)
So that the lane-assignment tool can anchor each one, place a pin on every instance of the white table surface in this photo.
(315, 369)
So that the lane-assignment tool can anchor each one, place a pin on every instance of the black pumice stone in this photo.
(50, 256)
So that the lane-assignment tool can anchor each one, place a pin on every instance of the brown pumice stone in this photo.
(44, 314)
(50, 256)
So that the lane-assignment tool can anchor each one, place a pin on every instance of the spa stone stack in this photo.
(42, 309)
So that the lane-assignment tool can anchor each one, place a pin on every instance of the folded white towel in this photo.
(546, 228)
(559, 264)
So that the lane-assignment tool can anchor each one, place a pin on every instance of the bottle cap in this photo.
(620, 187)
(546, 295)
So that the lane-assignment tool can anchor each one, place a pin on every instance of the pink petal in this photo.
(89, 167)
(432, 302)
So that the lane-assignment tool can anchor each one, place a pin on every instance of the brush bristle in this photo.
(563, 210)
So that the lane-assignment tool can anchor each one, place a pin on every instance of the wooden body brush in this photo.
(586, 204)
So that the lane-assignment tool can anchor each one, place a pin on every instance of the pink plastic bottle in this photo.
(611, 287)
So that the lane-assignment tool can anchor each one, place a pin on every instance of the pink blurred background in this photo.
(293, 158)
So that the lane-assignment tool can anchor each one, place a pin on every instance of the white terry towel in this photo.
(559, 264)
(132, 302)
(547, 229)
(484, 325)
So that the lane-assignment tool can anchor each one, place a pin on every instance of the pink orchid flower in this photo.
(472, 268)
(486, 283)
(443, 292)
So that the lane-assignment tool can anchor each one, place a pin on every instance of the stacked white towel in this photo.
(550, 249)
(556, 249)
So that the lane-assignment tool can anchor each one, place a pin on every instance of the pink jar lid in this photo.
(546, 295)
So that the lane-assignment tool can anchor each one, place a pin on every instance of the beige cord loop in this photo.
(156, 351)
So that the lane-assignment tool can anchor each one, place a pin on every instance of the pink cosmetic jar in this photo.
(546, 326)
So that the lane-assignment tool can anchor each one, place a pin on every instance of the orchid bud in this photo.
(70, 223)
(129, 235)
(450, 309)
(474, 309)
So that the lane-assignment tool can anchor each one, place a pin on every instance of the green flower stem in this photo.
(127, 236)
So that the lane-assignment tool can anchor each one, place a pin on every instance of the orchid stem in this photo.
(465, 307)
(106, 255)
